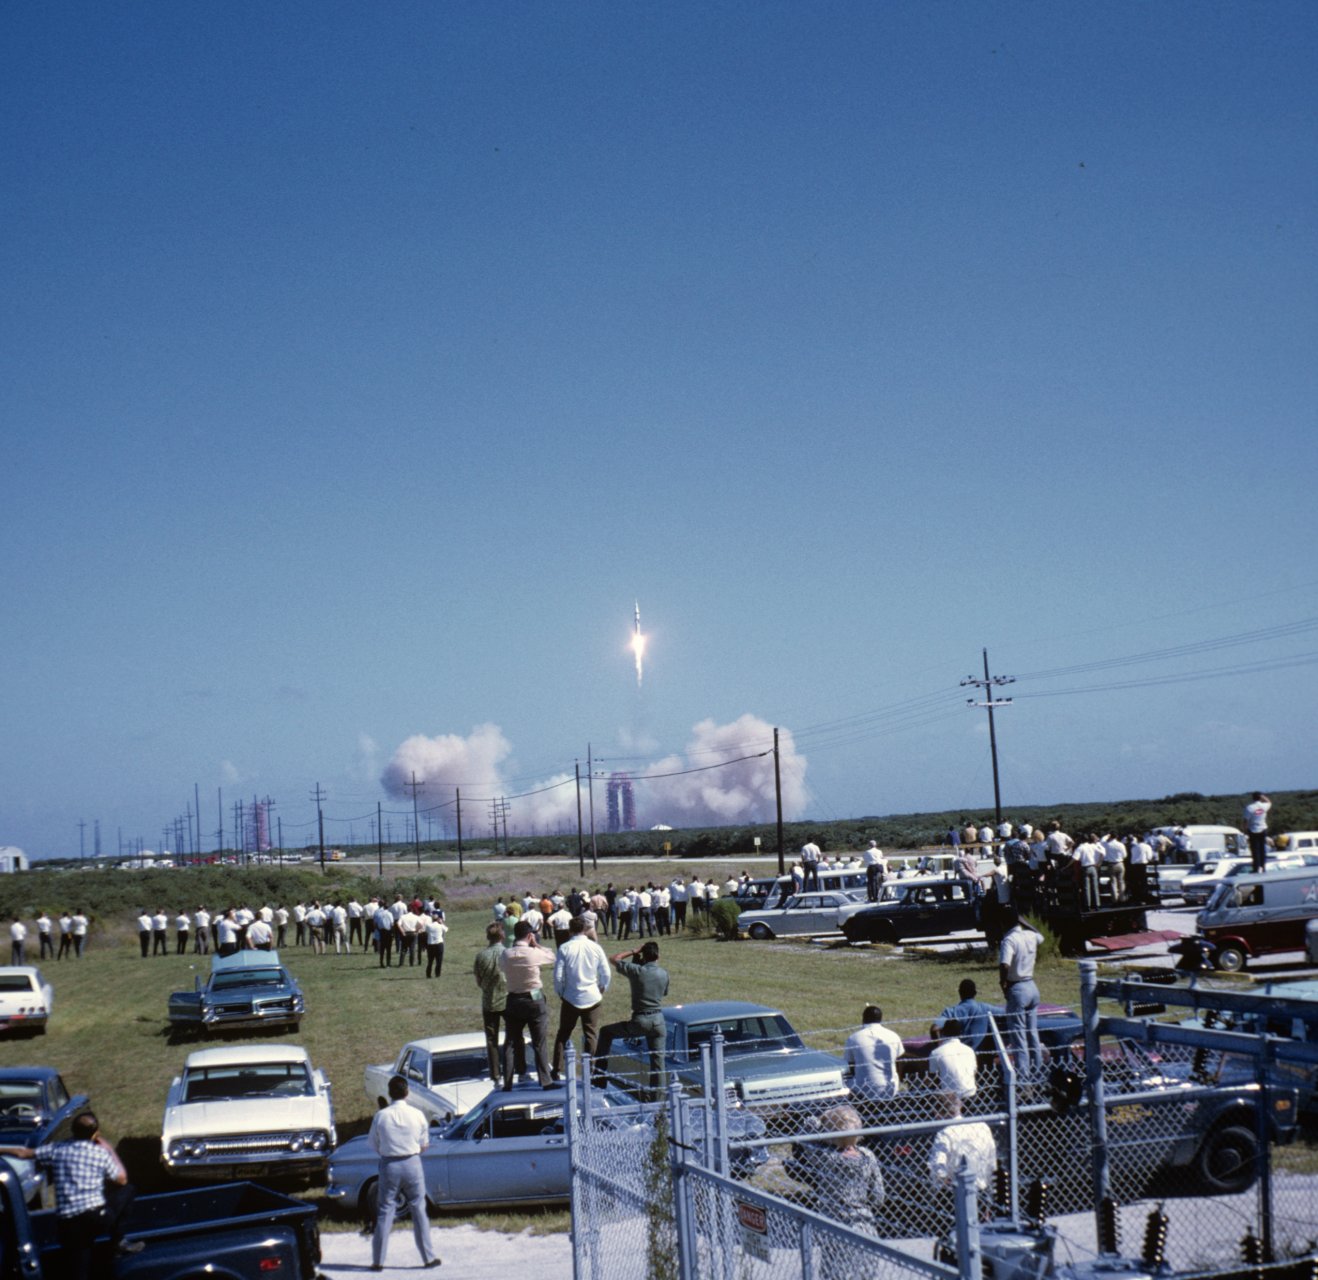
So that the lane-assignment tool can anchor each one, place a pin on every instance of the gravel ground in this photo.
(467, 1252)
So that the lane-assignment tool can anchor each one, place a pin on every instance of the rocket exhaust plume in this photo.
(638, 646)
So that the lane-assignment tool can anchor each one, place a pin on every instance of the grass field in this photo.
(109, 1034)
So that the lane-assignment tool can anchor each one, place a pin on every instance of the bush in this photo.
(723, 913)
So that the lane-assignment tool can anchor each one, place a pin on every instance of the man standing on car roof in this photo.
(1256, 824)
(494, 996)
(810, 856)
(526, 1010)
(581, 977)
(876, 869)
(649, 983)
(1016, 959)
(80, 1168)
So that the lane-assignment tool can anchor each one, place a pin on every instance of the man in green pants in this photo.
(649, 983)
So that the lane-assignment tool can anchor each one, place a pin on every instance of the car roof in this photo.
(710, 1010)
(31, 970)
(242, 1055)
(246, 960)
(28, 1073)
(461, 1042)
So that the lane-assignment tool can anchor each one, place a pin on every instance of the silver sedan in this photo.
(802, 915)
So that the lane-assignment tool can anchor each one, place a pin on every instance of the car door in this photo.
(517, 1152)
(415, 1069)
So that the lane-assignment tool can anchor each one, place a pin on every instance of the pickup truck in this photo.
(234, 1232)
(446, 1075)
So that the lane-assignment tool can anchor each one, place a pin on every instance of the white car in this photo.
(251, 1112)
(446, 1075)
(802, 915)
(25, 999)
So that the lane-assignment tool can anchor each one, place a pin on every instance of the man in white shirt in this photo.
(65, 934)
(1016, 958)
(399, 1134)
(45, 929)
(876, 870)
(201, 932)
(677, 896)
(183, 926)
(409, 925)
(810, 856)
(871, 1055)
(1114, 863)
(1256, 824)
(260, 936)
(354, 922)
(160, 933)
(17, 941)
(1141, 855)
(1088, 855)
(144, 932)
(952, 1062)
(965, 1143)
(581, 977)
(435, 927)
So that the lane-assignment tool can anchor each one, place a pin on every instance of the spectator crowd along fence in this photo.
(1174, 1146)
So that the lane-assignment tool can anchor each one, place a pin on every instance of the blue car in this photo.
(244, 990)
(35, 1107)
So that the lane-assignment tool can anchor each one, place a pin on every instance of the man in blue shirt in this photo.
(973, 1015)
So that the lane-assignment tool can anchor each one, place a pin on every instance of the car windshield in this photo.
(1206, 868)
(17, 982)
(20, 1104)
(250, 1080)
(458, 1066)
(758, 1033)
(247, 978)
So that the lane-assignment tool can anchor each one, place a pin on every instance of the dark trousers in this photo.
(144, 937)
(679, 914)
(643, 1026)
(1258, 849)
(384, 941)
(434, 958)
(569, 1016)
(201, 942)
(65, 945)
(525, 1014)
(77, 1235)
(354, 928)
(811, 870)
(492, 1020)
(181, 947)
(47, 946)
(872, 882)
(160, 942)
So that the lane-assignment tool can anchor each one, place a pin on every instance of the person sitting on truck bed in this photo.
(80, 1167)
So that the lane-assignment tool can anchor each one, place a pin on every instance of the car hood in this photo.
(462, 1095)
(246, 1115)
(753, 1066)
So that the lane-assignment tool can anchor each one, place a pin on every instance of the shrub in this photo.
(723, 913)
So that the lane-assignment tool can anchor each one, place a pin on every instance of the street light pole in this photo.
(988, 684)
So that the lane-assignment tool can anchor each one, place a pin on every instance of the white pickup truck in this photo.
(250, 1111)
(446, 1075)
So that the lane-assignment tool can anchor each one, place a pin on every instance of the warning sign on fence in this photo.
(754, 1223)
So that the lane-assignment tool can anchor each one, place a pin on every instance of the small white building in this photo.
(12, 858)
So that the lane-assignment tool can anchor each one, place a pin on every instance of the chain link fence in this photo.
(835, 1184)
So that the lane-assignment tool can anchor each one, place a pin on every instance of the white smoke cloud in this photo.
(695, 795)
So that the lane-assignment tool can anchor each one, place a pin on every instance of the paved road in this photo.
(467, 1252)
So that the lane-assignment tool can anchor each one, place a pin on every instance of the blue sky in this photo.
(365, 363)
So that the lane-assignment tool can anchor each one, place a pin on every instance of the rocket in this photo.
(638, 644)
(637, 629)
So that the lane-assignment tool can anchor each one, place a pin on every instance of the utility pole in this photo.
(988, 684)
(778, 792)
(269, 805)
(318, 796)
(504, 806)
(379, 840)
(82, 843)
(96, 839)
(280, 820)
(240, 832)
(590, 788)
(457, 791)
(581, 845)
(196, 800)
(219, 832)
(416, 821)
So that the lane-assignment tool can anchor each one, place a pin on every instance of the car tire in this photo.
(760, 932)
(1229, 959)
(369, 1201)
(1227, 1160)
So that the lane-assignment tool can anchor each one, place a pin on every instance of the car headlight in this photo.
(186, 1149)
